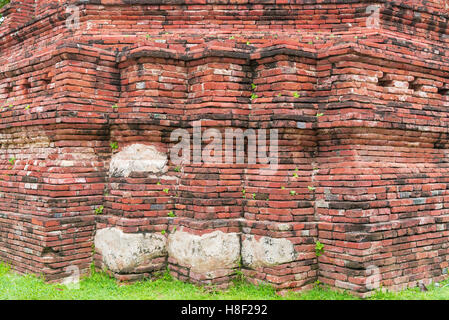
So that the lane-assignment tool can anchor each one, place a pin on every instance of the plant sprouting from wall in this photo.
(114, 145)
(319, 248)
(99, 210)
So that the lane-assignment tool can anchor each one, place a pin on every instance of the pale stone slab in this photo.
(125, 252)
(137, 158)
(206, 253)
(266, 251)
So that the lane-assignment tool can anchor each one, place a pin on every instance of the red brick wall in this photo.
(366, 177)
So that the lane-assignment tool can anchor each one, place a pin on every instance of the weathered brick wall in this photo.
(362, 125)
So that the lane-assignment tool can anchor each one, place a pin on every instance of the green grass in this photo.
(99, 286)
(433, 293)
(3, 2)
